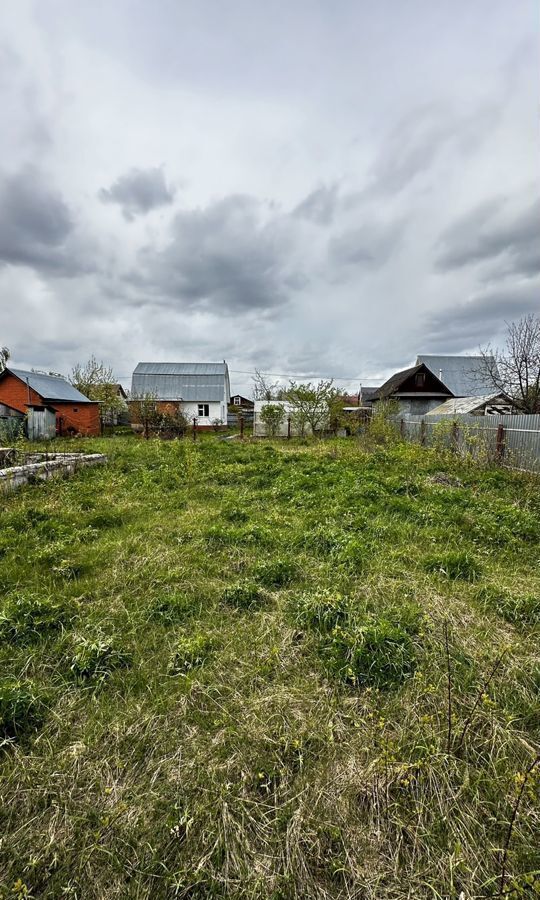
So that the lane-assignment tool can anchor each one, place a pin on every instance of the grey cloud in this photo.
(484, 316)
(368, 245)
(319, 206)
(421, 136)
(492, 232)
(138, 192)
(225, 258)
(35, 222)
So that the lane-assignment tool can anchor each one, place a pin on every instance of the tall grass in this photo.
(274, 670)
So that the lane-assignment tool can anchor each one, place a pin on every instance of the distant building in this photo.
(415, 391)
(74, 413)
(464, 376)
(199, 390)
(490, 405)
(242, 404)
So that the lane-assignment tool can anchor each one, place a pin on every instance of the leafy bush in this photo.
(322, 611)
(171, 608)
(244, 595)
(524, 610)
(455, 564)
(26, 617)
(276, 573)
(381, 654)
(22, 707)
(192, 650)
(97, 659)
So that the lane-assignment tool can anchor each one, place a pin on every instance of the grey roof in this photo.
(50, 387)
(464, 375)
(463, 405)
(192, 382)
(180, 368)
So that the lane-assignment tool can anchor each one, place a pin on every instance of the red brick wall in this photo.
(83, 419)
(14, 393)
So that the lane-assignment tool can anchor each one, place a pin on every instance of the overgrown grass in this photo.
(270, 671)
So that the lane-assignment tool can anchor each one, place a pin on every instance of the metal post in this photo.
(402, 428)
(500, 441)
(288, 428)
(195, 429)
(241, 423)
(455, 436)
(423, 432)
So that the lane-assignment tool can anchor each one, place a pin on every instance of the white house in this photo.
(200, 390)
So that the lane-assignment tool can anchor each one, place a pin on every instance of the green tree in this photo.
(272, 417)
(311, 404)
(97, 382)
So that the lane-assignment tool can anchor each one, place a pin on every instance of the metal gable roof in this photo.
(50, 387)
(180, 368)
(192, 382)
(464, 375)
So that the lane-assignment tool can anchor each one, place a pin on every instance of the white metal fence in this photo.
(512, 440)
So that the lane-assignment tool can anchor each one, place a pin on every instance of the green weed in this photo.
(454, 564)
(26, 617)
(192, 651)
(22, 707)
(245, 595)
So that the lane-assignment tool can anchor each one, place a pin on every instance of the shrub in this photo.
(524, 610)
(192, 650)
(244, 595)
(322, 611)
(170, 608)
(22, 707)
(455, 564)
(380, 654)
(26, 617)
(97, 659)
(276, 573)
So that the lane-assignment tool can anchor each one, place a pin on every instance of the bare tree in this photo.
(263, 389)
(4, 356)
(515, 370)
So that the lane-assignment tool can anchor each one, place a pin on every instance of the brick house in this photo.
(75, 413)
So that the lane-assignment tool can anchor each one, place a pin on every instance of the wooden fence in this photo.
(512, 440)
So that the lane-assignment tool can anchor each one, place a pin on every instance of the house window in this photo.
(237, 401)
(204, 410)
(420, 379)
(75, 409)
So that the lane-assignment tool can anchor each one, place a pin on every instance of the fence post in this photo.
(455, 437)
(288, 428)
(241, 423)
(423, 432)
(195, 429)
(500, 441)
(402, 428)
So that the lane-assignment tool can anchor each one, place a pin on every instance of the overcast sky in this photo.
(307, 187)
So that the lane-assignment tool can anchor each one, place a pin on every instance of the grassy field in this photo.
(270, 671)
